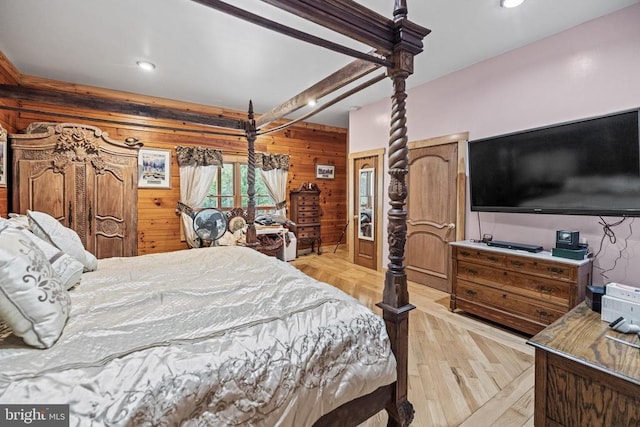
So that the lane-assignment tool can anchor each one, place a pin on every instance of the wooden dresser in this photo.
(584, 378)
(304, 211)
(518, 289)
(84, 179)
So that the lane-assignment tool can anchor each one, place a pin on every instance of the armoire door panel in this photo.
(108, 209)
(47, 190)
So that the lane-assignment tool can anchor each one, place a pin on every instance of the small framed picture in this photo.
(325, 171)
(3, 158)
(154, 168)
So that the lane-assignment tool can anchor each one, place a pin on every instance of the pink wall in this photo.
(590, 70)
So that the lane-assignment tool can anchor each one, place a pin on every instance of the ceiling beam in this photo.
(347, 18)
(290, 32)
(21, 93)
(335, 81)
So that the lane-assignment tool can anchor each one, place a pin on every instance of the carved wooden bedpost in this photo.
(395, 297)
(250, 131)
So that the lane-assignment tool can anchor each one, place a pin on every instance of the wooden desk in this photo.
(583, 378)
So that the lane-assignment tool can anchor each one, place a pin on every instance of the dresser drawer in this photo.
(308, 201)
(308, 232)
(308, 213)
(484, 257)
(543, 268)
(311, 219)
(542, 288)
(508, 302)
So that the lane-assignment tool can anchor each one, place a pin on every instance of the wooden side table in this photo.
(584, 378)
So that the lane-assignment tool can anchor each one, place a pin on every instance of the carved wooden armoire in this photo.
(81, 177)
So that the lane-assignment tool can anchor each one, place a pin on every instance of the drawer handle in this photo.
(517, 263)
(546, 289)
(471, 292)
(556, 270)
(472, 271)
(465, 253)
(543, 313)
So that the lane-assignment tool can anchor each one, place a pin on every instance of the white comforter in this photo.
(215, 336)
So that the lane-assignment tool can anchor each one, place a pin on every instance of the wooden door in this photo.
(366, 232)
(111, 204)
(436, 207)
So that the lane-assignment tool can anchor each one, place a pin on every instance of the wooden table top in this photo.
(580, 335)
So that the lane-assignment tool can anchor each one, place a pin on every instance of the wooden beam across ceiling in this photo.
(347, 18)
(291, 32)
(21, 93)
(337, 80)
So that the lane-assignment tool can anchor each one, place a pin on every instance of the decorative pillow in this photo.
(33, 303)
(91, 261)
(237, 223)
(68, 269)
(19, 220)
(49, 229)
(227, 239)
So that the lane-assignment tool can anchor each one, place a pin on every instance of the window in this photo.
(229, 188)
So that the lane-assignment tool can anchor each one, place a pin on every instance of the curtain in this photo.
(198, 168)
(274, 169)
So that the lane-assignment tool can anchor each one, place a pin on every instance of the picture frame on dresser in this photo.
(325, 171)
(154, 168)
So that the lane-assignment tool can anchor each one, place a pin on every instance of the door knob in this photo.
(451, 226)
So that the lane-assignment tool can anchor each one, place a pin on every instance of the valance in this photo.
(198, 156)
(267, 162)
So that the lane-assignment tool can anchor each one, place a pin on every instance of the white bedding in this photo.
(213, 336)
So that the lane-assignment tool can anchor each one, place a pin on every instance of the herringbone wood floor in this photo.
(462, 371)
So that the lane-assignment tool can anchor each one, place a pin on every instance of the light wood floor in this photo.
(462, 371)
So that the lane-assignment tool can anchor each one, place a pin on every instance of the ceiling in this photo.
(206, 57)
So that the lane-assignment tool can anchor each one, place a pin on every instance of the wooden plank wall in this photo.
(158, 224)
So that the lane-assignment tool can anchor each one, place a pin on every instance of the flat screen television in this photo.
(586, 167)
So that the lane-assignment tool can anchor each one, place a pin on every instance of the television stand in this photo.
(517, 246)
(521, 290)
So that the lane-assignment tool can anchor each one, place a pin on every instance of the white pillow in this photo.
(19, 220)
(32, 301)
(67, 240)
(68, 269)
(91, 261)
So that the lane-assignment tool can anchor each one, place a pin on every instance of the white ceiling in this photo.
(207, 57)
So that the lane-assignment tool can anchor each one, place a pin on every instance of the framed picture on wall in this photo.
(154, 168)
(3, 158)
(325, 171)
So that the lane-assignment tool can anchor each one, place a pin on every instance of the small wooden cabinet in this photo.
(85, 180)
(305, 213)
(521, 290)
(584, 378)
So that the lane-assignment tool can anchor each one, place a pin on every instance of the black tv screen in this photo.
(587, 167)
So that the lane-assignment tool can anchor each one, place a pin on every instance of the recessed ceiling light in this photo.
(146, 65)
(511, 3)
(311, 102)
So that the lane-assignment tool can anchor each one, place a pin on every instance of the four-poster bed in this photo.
(394, 43)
